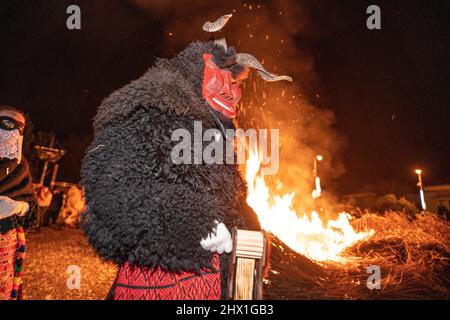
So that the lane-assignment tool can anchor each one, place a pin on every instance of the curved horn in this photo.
(217, 25)
(222, 42)
(250, 61)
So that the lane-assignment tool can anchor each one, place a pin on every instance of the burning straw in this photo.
(413, 255)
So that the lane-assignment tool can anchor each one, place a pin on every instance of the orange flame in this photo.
(306, 234)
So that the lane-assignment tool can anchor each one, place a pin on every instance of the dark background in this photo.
(389, 89)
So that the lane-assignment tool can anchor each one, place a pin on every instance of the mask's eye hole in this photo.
(7, 124)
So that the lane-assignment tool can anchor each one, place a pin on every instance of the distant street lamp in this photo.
(420, 185)
(317, 190)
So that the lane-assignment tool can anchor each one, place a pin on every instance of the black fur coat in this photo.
(142, 208)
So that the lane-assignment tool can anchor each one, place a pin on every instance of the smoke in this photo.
(276, 33)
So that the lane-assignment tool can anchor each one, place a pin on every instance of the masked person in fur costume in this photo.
(17, 205)
(167, 224)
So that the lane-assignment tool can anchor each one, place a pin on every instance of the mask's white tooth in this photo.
(221, 104)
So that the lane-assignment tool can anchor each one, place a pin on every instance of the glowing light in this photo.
(422, 200)
(306, 233)
(420, 185)
(317, 192)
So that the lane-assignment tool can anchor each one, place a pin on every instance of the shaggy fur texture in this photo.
(142, 208)
(17, 186)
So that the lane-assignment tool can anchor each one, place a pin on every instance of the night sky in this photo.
(389, 88)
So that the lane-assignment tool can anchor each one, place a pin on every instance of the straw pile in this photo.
(412, 253)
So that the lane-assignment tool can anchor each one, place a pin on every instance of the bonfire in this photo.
(316, 259)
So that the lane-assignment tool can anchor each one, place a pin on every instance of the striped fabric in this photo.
(135, 283)
(12, 251)
(8, 250)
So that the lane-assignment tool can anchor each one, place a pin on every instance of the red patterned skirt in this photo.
(135, 283)
(9, 243)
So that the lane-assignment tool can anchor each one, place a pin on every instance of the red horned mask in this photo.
(220, 90)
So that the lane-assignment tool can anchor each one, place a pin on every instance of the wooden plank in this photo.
(249, 234)
(250, 256)
(232, 268)
(249, 248)
(255, 237)
(244, 279)
(250, 241)
(240, 253)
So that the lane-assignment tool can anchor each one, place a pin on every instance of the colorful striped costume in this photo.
(12, 253)
(15, 185)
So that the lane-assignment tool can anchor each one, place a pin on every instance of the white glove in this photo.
(219, 240)
(10, 207)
